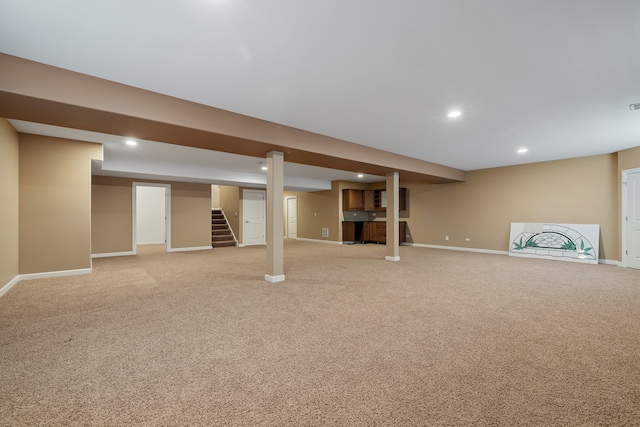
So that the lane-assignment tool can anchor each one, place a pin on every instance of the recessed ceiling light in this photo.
(360, 175)
(131, 142)
(453, 114)
(523, 150)
(264, 168)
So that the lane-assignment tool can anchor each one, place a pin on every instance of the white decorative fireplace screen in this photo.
(566, 242)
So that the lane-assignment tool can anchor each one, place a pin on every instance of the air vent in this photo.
(635, 106)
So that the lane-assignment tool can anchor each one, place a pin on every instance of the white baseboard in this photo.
(9, 285)
(392, 258)
(457, 248)
(45, 275)
(489, 251)
(110, 254)
(194, 248)
(274, 279)
(331, 242)
(150, 243)
(48, 274)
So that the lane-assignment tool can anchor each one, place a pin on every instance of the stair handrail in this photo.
(229, 226)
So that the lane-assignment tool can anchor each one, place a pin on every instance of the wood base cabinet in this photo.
(370, 231)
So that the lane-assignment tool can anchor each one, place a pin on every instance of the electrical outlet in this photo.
(325, 232)
(468, 239)
(446, 237)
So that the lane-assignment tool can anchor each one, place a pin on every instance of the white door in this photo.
(253, 213)
(633, 220)
(292, 217)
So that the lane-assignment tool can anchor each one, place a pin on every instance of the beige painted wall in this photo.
(581, 190)
(230, 204)
(111, 220)
(190, 215)
(215, 196)
(328, 207)
(317, 210)
(9, 213)
(55, 203)
(629, 159)
(111, 214)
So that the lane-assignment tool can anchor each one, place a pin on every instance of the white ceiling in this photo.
(155, 160)
(556, 77)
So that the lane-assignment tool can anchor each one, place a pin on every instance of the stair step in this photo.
(224, 244)
(221, 234)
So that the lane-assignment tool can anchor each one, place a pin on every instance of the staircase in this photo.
(220, 232)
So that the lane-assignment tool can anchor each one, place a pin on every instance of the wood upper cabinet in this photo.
(381, 202)
(352, 200)
(370, 200)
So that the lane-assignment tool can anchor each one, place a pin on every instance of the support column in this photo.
(393, 217)
(275, 217)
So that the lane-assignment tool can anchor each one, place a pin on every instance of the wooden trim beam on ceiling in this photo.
(42, 93)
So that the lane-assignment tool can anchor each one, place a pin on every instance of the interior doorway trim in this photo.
(286, 229)
(167, 213)
(248, 220)
(623, 219)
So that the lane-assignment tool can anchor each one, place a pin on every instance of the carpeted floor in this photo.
(439, 338)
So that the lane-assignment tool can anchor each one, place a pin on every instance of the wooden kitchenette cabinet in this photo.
(370, 231)
(370, 200)
(352, 200)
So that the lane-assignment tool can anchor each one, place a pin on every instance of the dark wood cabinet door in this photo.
(348, 232)
(366, 235)
(352, 200)
(373, 231)
(369, 200)
(381, 231)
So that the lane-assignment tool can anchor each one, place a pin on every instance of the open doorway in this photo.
(151, 220)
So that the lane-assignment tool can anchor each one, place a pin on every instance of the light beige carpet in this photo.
(439, 338)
